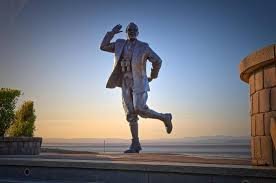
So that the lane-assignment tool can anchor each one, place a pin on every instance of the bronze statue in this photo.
(129, 73)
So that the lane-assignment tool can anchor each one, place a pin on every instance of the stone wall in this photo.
(259, 70)
(20, 145)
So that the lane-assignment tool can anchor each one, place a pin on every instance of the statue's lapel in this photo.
(120, 50)
(135, 50)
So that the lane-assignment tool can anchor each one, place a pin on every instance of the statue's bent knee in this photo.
(132, 118)
(140, 111)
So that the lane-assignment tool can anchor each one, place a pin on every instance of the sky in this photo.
(50, 51)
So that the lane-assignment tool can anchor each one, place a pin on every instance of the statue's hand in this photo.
(117, 29)
(149, 79)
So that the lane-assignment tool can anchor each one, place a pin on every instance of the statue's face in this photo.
(132, 31)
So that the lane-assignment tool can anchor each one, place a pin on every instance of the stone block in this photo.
(262, 150)
(270, 76)
(266, 150)
(259, 80)
(26, 145)
(253, 125)
(20, 145)
(251, 105)
(14, 145)
(253, 149)
(23, 150)
(12, 151)
(254, 162)
(255, 103)
(29, 150)
(257, 147)
(261, 162)
(273, 98)
(273, 130)
(252, 84)
(264, 103)
(267, 122)
(259, 125)
(274, 153)
(9, 144)
(4, 150)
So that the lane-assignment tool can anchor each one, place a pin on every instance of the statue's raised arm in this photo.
(106, 44)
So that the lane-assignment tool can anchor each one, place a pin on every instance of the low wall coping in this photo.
(20, 139)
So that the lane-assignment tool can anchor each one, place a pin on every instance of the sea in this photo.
(226, 150)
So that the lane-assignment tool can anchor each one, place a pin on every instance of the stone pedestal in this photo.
(20, 145)
(259, 70)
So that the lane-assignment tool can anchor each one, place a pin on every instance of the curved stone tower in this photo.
(259, 70)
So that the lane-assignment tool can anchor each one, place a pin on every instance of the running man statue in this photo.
(129, 73)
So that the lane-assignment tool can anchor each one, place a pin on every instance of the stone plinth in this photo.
(259, 70)
(20, 145)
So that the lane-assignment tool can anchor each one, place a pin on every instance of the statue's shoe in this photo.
(135, 147)
(168, 122)
(132, 151)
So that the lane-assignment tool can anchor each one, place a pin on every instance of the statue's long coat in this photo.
(141, 53)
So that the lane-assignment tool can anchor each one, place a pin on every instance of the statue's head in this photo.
(132, 31)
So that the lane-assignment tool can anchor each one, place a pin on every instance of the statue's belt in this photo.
(125, 65)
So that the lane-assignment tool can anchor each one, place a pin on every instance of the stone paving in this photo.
(142, 157)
